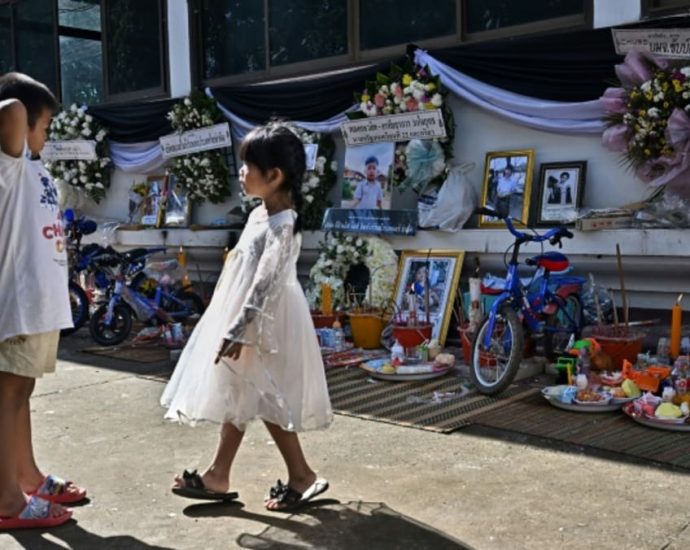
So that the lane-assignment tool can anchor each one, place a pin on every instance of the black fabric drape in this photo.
(310, 99)
(135, 122)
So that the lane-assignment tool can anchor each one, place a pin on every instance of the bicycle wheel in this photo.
(114, 332)
(79, 303)
(492, 369)
(567, 324)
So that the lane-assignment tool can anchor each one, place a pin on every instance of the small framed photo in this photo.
(561, 185)
(145, 201)
(176, 204)
(507, 186)
(441, 268)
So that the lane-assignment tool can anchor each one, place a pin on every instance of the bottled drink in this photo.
(338, 336)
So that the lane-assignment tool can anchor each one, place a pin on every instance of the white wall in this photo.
(608, 13)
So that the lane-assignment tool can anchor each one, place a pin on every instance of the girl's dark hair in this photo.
(33, 94)
(275, 145)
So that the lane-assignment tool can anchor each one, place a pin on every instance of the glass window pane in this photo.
(35, 33)
(81, 65)
(5, 39)
(484, 15)
(233, 38)
(80, 14)
(385, 23)
(134, 45)
(301, 30)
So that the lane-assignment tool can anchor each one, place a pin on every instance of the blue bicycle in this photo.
(549, 307)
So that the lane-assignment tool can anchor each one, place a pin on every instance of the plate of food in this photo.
(677, 424)
(582, 401)
(383, 369)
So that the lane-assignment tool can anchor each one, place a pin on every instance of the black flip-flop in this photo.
(290, 500)
(194, 488)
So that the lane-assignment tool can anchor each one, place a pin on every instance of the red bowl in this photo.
(412, 336)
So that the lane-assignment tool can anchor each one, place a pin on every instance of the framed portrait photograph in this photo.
(441, 268)
(507, 186)
(176, 204)
(561, 185)
(366, 177)
(146, 201)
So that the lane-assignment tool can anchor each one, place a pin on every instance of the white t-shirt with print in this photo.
(33, 268)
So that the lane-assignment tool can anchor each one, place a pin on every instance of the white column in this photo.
(179, 62)
(608, 13)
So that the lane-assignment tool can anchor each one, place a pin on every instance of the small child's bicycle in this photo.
(552, 311)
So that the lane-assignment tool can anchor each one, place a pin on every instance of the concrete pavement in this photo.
(98, 421)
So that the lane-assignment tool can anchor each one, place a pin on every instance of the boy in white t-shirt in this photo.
(35, 302)
(368, 193)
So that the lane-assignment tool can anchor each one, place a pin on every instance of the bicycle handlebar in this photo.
(554, 235)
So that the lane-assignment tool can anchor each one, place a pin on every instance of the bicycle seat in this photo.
(551, 261)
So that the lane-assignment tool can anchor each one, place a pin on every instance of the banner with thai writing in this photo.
(374, 221)
(669, 43)
(69, 149)
(195, 141)
(399, 127)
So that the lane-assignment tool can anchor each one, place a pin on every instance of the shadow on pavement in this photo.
(71, 535)
(327, 523)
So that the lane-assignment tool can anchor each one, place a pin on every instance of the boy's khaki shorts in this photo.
(32, 355)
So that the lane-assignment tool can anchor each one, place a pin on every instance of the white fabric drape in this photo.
(137, 158)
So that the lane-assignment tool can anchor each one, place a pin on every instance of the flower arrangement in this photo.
(204, 175)
(91, 176)
(405, 89)
(648, 120)
(338, 253)
(317, 183)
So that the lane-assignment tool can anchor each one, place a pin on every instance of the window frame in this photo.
(356, 56)
(649, 10)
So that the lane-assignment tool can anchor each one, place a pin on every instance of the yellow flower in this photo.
(429, 106)
(677, 86)
(647, 152)
(648, 96)
(431, 87)
(365, 98)
(643, 112)
(666, 104)
(407, 80)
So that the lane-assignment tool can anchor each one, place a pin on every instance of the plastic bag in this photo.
(449, 207)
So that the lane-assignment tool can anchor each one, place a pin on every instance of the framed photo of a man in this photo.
(561, 185)
(441, 268)
(507, 186)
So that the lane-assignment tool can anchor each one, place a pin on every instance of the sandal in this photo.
(290, 500)
(36, 514)
(59, 491)
(194, 488)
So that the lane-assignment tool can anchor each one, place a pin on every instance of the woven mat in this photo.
(412, 404)
(139, 354)
(606, 431)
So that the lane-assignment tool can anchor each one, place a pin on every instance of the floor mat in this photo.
(613, 432)
(139, 354)
(440, 405)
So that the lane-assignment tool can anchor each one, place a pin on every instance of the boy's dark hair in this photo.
(566, 174)
(275, 145)
(370, 160)
(35, 95)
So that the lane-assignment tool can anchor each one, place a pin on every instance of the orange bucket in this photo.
(322, 320)
(367, 329)
(619, 343)
(412, 336)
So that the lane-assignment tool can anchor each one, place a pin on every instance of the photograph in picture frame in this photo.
(366, 177)
(176, 204)
(561, 186)
(507, 186)
(146, 201)
(442, 268)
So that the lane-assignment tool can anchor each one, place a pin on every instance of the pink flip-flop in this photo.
(35, 515)
(59, 491)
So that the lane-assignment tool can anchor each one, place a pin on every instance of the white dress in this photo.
(279, 376)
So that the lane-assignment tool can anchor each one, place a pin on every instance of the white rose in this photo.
(99, 185)
(418, 94)
(310, 199)
(437, 100)
(86, 132)
(187, 102)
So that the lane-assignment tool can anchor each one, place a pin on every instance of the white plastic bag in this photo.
(449, 207)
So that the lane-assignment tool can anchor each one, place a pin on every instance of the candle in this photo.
(326, 299)
(182, 260)
(676, 316)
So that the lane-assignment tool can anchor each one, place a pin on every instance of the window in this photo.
(654, 7)
(250, 40)
(385, 23)
(87, 51)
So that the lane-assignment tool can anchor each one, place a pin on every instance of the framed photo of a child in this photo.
(561, 185)
(366, 177)
(441, 268)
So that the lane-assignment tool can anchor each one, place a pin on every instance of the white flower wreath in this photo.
(338, 253)
(204, 175)
(93, 176)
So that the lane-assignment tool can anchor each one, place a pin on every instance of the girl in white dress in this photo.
(254, 353)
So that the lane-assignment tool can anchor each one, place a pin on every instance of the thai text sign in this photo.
(194, 141)
(378, 222)
(400, 127)
(669, 43)
(69, 149)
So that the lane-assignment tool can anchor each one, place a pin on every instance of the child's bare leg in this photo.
(28, 472)
(12, 393)
(300, 475)
(216, 477)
